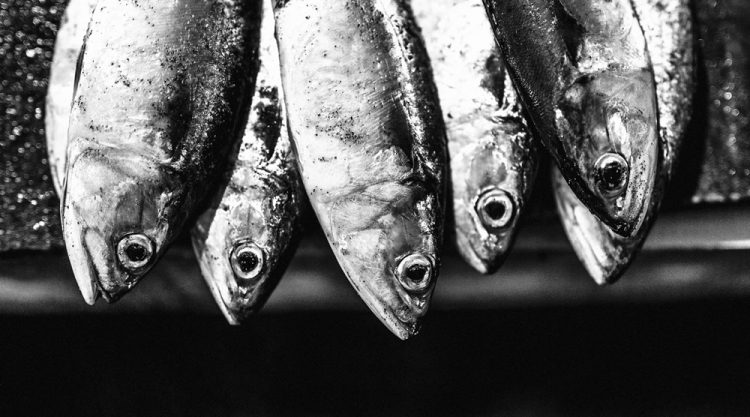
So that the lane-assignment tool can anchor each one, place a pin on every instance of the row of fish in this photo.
(222, 114)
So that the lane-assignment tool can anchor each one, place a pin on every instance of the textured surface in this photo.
(582, 72)
(715, 167)
(365, 122)
(493, 156)
(668, 29)
(725, 140)
(28, 206)
(244, 240)
(162, 90)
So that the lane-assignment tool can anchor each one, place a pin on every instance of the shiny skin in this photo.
(160, 88)
(491, 149)
(366, 125)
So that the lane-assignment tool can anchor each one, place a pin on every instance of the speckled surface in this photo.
(725, 43)
(29, 209)
(28, 206)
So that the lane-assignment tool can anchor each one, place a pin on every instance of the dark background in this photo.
(685, 359)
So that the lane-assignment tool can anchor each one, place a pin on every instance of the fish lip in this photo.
(469, 253)
(619, 251)
(116, 293)
(400, 325)
(405, 319)
(471, 243)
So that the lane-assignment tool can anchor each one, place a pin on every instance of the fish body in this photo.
(366, 126)
(68, 44)
(493, 156)
(244, 240)
(583, 73)
(667, 25)
(159, 90)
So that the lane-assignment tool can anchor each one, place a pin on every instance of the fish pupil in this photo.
(612, 176)
(417, 273)
(136, 252)
(247, 261)
(495, 210)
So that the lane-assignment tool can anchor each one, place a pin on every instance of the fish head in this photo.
(491, 180)
(243, 242)
(386, 239)
(609, 129)
(603, 253)
(119, 212)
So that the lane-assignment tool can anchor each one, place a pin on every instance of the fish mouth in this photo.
(485, 230)
(604, 254)
(609, 130)
(112, 229)
(240, 272)
(387, 248)
(399, 298)
(96, 270)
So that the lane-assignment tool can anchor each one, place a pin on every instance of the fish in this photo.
(583, 73)
(366, 125)
(244, 240)
(59, 100)
(492, 153)
(668, 27)
(160, 90)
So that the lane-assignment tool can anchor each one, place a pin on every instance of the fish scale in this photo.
(365, 123)
(668, 28)
(583, 74)
(493, 156)
(254, 217)
(153, 119)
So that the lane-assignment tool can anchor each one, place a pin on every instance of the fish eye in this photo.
(611, 174)
(415, 272)
(495, 208)
(247, 260)
(135, 251)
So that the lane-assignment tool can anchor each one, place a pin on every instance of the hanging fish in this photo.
(159, 90)
(493, 157)
(667, 25)
(365, 121)
(583, 73)
(244, 240)
(61, 82)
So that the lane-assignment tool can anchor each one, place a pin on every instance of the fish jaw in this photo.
(377, 235)
(608, 123)
(113, 215)
(604, 254)
(243, 243)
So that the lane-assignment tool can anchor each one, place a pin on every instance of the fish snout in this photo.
(486, 233)
(111, 220)
(609, 127)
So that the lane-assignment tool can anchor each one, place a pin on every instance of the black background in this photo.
(687, 359)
